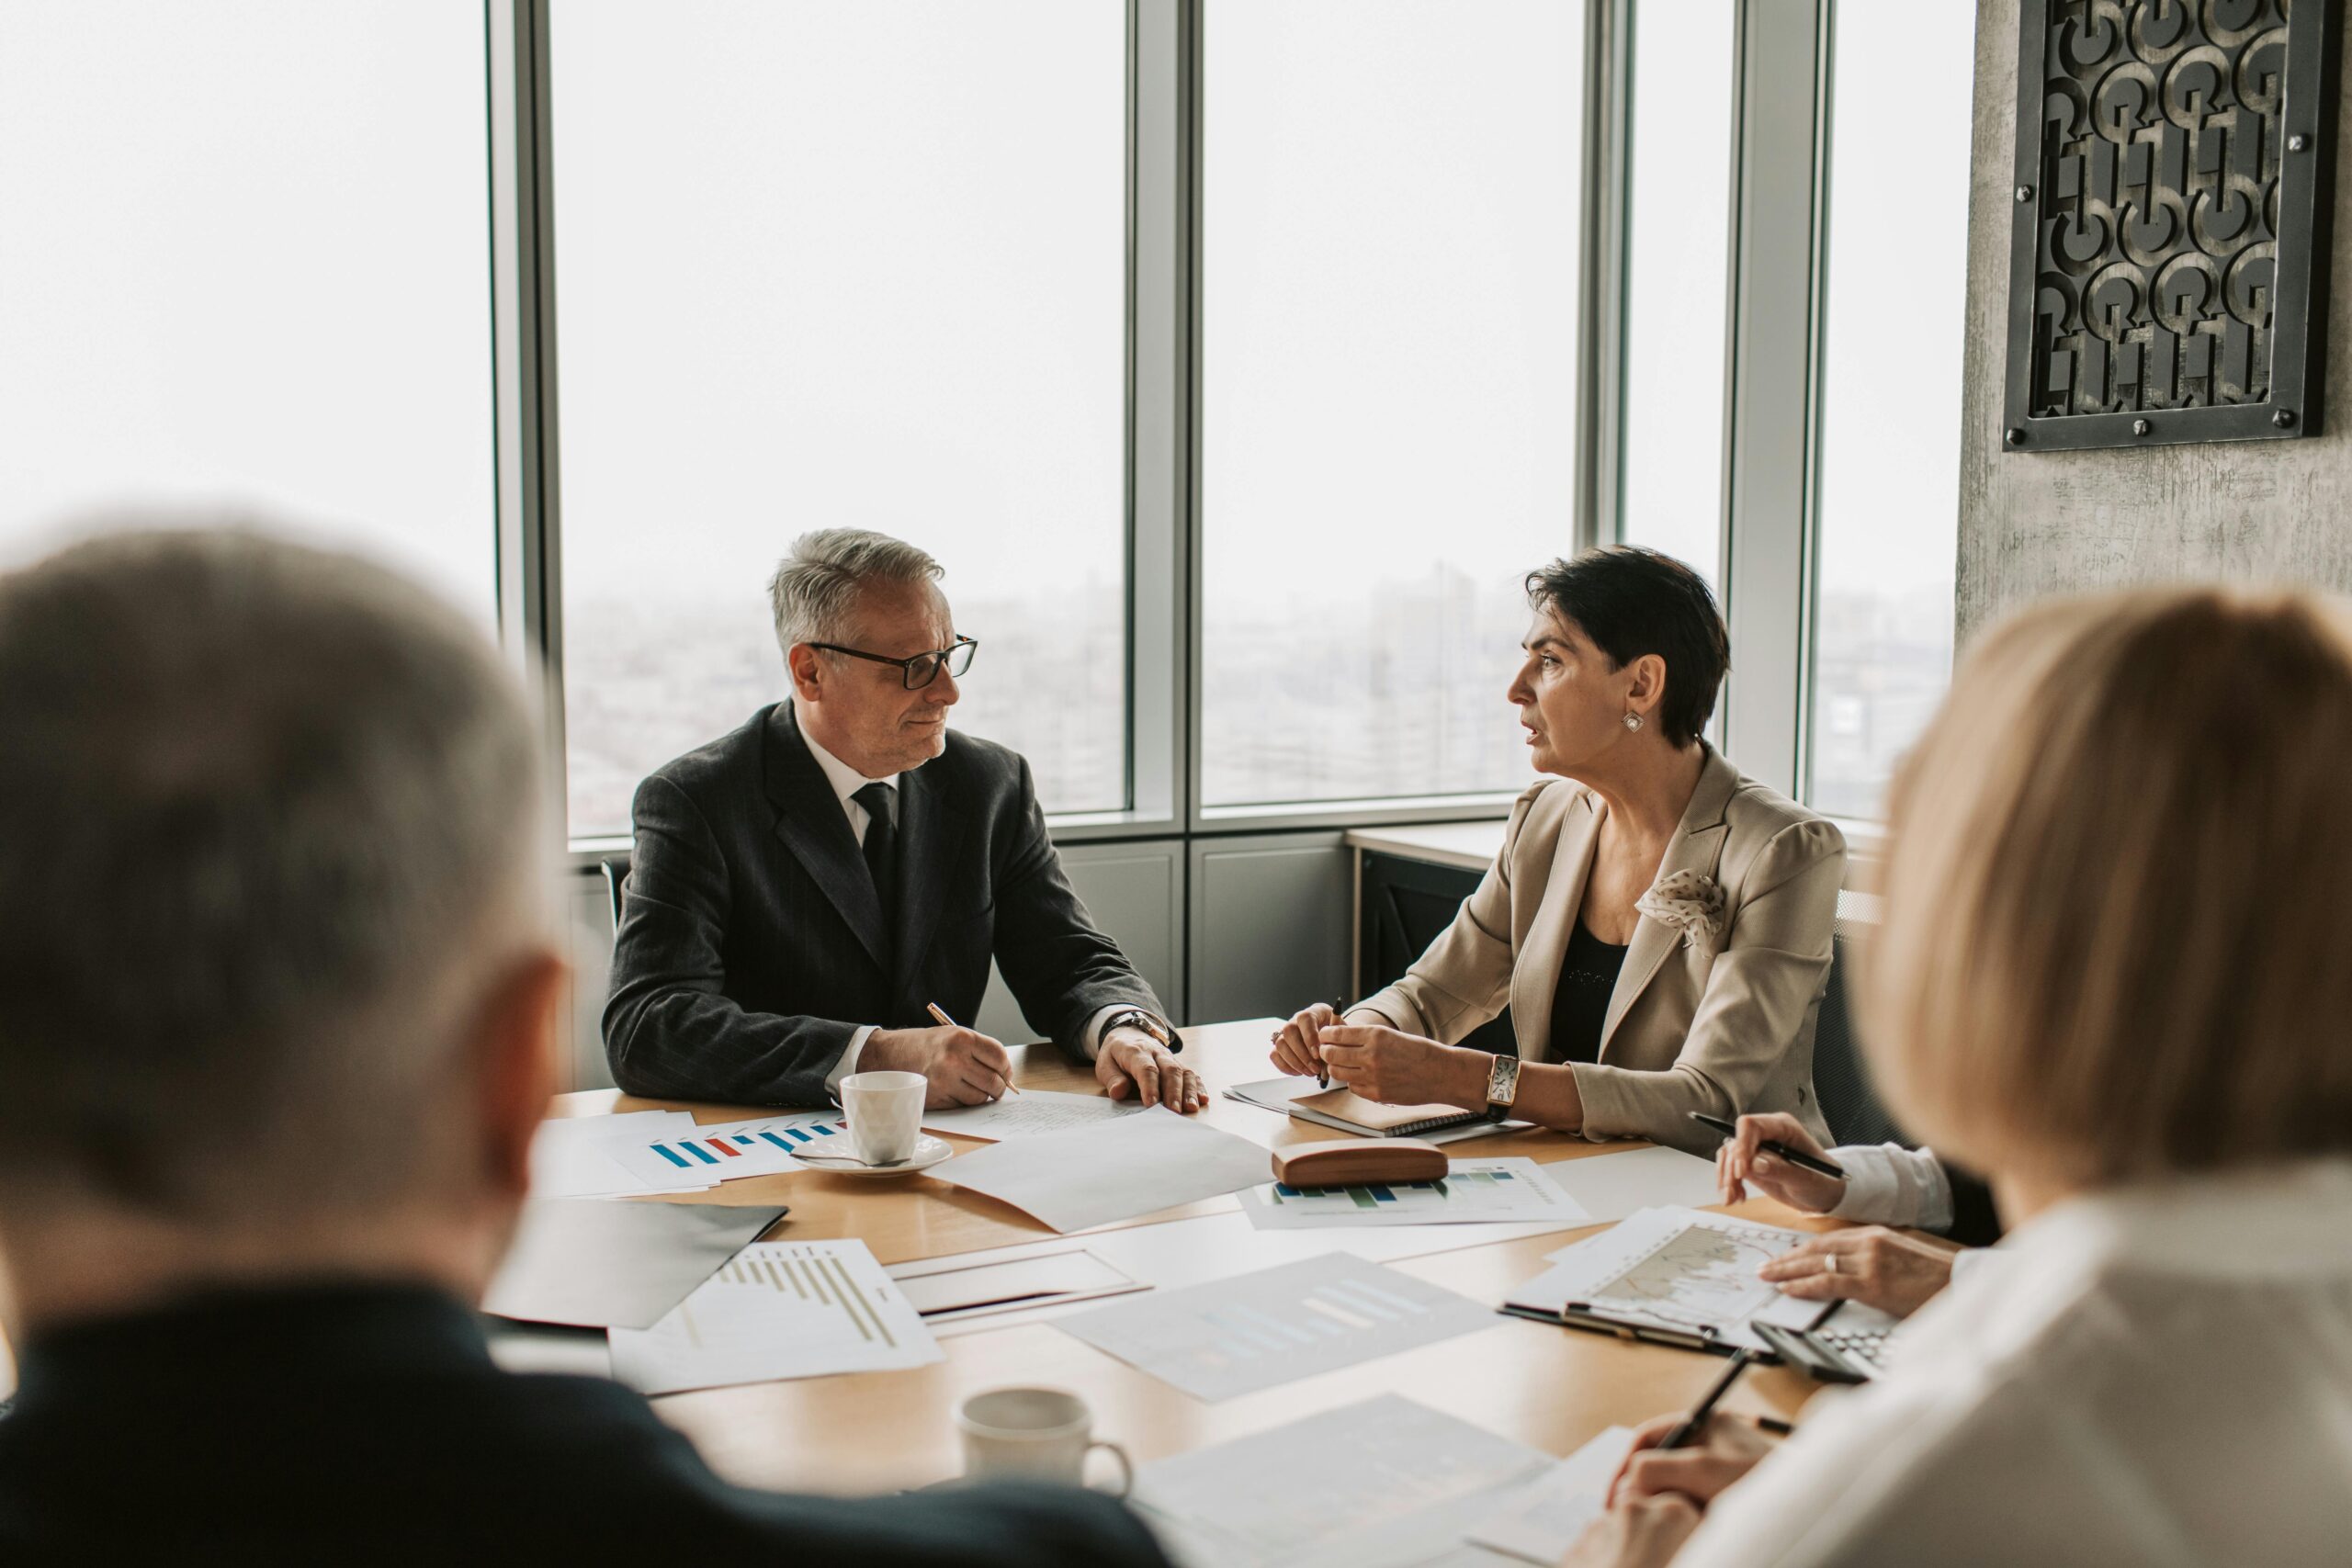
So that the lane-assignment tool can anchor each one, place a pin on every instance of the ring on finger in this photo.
(1830, 1266)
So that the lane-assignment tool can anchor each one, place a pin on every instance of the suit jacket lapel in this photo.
(812, 825)
(929, 830)
(1535, 976)
(1697, 845)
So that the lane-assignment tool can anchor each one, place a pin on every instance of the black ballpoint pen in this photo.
(1696, 1422)
(1773, 1147)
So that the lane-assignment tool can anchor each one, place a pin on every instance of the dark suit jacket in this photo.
(752, 946)
(364, 1424)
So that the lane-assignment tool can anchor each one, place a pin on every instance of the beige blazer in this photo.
(1722, 1024)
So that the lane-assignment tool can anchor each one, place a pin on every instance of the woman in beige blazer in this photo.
(1658, 924)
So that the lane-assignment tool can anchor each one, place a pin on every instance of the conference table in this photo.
(1551, 1388)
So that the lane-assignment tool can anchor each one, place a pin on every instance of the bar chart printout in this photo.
(778, 1309)
(723, 1151)
(1380, 1482)
(1473, 1189)
(1256, 1331)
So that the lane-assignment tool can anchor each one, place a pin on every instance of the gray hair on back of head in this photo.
(814, 589)
(269, 823)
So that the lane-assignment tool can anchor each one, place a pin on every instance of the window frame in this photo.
(1771, 418)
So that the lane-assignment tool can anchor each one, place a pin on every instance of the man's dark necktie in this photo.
(881, 803)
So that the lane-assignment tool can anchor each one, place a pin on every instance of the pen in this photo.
(946, 1022)
(1772, 1146)
(1696, 1422)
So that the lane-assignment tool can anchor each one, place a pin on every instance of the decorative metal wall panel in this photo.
(2168, 263)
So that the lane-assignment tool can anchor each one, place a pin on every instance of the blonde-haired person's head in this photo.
(2118, 941)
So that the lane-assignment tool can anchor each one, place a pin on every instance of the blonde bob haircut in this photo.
(2117, 937)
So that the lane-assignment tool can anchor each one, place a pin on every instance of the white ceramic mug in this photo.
(885, 1111)
(1032, 1434)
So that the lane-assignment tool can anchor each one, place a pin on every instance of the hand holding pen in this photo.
(1775, 1154)
(1297, 1043)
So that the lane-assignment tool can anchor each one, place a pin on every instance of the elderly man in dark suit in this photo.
(278, 1003)
(805, 889)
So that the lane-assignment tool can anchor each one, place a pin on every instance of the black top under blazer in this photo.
(366, 1424)
(752, 945)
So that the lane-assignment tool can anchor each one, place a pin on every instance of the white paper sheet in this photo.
(1542, 1520)
(1259, 1331)
(1471, 1192)
(1676, 1269)
(596, 1265)
(570, 1157)
(1112, 1170)
(1613, 1185)
(728, 1151)
(1032, 1111)
(1377, 1485)
(782, 1309)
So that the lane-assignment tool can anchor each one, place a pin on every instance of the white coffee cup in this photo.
(885, 1111)
(1032, 1434)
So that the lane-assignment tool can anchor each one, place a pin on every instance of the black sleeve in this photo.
(1974, 1222)
(670, 1031)
(1060, 967)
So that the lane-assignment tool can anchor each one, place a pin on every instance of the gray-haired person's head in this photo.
(268, 835)
(816, 586)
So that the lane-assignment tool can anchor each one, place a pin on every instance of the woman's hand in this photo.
(1641, 1532)
(1296, 1051)
(1741, 1160)
(1397, 1068)
(1873, 1264)
(1729, 1448)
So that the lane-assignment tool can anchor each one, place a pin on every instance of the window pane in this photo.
(1389, 404)
(1678, 256)
(248, 264)
(1890, 417)
(838, 264)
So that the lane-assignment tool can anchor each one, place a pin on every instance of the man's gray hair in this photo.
(815, 586)
(268, 836)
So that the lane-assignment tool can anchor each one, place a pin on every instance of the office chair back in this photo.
(1840, 1077)
(615, 879)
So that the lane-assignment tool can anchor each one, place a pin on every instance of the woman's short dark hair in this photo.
(1631, 601)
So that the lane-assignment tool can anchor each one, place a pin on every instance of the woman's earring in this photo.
(1633, 721)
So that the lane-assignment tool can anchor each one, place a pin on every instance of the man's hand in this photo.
(1132, 1063)
(1297, 1049)
(1740, 1159)
(1640, 1532)
(1729, 1448)
(964, 1067)
(1397, 1068)
(1873, 1264)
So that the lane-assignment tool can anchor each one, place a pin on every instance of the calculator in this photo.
(1828, 1353)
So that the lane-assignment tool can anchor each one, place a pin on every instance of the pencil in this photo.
(1696, 1422)
(946, 1022)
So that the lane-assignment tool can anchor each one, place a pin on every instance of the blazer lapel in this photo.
(1535, 976)
(929, 830)
(1697, 845)
(812, 825)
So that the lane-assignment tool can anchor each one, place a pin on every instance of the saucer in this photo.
(929, 1151)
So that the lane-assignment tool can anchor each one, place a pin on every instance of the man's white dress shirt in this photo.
(2158, 1376)
(846, 782)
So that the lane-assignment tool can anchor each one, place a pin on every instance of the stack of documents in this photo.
(1028, 1113)
(1676, 1271)
(597, 1265)
(1472, 1191)
(1114, 1169)
(1545, 1519)
(667, 1151)
(781, 1309)
(1380, 1484)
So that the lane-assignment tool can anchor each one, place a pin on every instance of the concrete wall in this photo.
(2038, 524)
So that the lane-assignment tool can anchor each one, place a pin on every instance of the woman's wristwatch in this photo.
(1502, 1087)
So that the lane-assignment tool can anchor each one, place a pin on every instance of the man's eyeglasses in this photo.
(920, 669)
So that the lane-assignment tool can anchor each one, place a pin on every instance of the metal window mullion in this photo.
(1601, 329)
(523, 314)
(1769, 414)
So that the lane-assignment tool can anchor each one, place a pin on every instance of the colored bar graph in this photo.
(772, 1138)
(696, 1150)
(673, 1157)
(720, 1145)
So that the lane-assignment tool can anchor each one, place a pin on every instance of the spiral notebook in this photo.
(1342, 1109)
